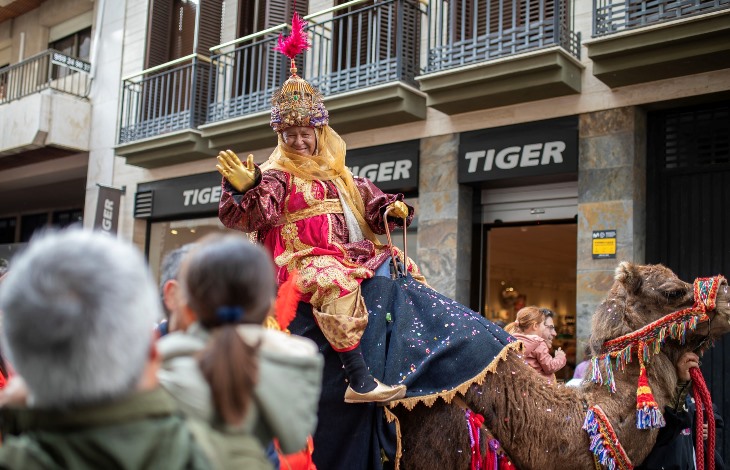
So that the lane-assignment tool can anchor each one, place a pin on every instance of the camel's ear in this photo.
(628, 275)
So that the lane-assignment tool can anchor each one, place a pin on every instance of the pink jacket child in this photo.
(536, 354)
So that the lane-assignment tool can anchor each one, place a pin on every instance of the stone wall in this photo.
(445, 223)
(611, 195)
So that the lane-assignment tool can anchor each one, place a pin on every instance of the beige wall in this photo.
(595, 97)
(30, 31)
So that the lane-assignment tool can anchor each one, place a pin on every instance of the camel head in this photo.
(642, 294)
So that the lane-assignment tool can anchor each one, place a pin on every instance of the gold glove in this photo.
(399, 209)
(242, 177)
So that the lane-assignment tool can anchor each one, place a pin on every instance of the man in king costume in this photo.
(304, 205)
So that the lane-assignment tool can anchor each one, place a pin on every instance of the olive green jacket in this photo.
(141, 431)
(285, 400)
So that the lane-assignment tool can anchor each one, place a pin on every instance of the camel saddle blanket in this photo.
(415, 336)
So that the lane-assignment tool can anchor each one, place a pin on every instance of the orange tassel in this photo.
(287, 300)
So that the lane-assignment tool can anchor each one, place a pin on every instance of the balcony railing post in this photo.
(401, 38)
(192, 106)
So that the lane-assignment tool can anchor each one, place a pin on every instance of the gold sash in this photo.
(327, 206)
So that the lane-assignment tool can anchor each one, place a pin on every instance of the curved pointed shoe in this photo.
(380, 394)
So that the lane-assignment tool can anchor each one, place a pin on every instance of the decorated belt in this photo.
(328, 206)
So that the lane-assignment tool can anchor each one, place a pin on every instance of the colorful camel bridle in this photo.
(646, 342)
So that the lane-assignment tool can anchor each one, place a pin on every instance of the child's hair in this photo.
(228, 280)
(526, 317)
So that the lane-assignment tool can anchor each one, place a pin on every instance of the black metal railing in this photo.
(166, 98)
(611, 16)
(465, 32)
(50, 69)
(372, 44)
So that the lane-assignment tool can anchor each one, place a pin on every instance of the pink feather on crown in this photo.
(297, 41)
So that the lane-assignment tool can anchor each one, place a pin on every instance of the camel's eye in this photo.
(675, 294)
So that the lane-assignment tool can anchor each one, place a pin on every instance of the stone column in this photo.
(611, 195)
(445, 219)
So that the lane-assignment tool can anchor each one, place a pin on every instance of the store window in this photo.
(168, 236)
(65, 218)
(534, 264)
(7, 230)
(76, 45)
(30, 223)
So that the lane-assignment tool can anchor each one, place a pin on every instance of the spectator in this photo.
(78, 309)
(674, 448)
(172, 298)
(529, 328)
(581, 369)
(549, 332)
(229, 288)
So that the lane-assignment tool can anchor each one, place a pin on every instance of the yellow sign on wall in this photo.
(604, 244)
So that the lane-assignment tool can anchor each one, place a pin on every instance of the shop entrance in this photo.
(533, 264)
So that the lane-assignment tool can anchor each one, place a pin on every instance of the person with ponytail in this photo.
(252, 383)
(529, 327)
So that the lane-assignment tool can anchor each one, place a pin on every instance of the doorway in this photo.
(533, 264)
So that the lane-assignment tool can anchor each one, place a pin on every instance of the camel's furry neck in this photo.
(540, 424)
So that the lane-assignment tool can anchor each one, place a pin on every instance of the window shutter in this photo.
(158, 32)
(211, 17)
(184, 16)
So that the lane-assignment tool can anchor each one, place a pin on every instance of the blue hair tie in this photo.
(229, 314)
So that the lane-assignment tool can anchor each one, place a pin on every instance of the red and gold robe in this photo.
(301, 223)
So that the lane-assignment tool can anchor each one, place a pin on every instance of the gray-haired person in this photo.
(173, 298)
(78, 313)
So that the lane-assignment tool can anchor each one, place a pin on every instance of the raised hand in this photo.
(685, 362)
(242, 177)
(398, 209)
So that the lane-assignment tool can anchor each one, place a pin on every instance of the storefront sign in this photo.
(525, 150)
(107, 209)
(392, 167)
(604, 244)
(195, 195)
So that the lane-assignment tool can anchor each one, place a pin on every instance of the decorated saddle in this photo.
(415, 336)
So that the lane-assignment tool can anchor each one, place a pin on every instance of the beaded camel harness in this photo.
(644, 342)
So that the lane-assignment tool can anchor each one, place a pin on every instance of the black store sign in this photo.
(392, 167)
(195, 195)
(535, 149)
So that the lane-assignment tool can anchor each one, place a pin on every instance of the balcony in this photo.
(43, 109)
(161, 109)
(643, 41)
(489, 53)
(364, 61)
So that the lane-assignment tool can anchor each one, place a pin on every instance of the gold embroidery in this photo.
(328, 206)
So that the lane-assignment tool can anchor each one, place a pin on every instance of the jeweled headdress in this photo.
(297, 102)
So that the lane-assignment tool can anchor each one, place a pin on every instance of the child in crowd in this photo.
(228, 369)
(529, 327)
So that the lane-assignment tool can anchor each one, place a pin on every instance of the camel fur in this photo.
(539, 424)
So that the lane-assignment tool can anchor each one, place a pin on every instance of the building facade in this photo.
(542, 142)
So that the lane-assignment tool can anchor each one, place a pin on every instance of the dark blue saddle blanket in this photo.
(415, 336)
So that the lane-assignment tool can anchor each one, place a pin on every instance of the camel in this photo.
(538, 424)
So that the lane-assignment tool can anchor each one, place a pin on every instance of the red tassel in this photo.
(297, 41)
(287, 300)
(648, 414)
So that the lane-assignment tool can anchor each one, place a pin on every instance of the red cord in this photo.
(703, 404)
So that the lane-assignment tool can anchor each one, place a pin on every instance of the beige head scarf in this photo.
(327, 164)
